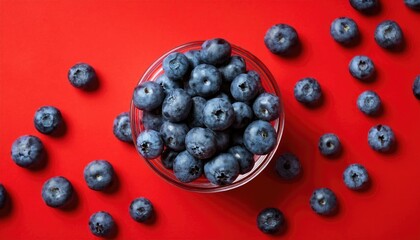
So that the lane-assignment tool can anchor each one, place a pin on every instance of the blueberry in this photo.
(98, 175)
(308, 91)
(356, 177)
(243, 115)
(168, 157)
(3, 196)
(266, 107)
(215, 51)
(323, 201)
(416, 87)
(413, 4)
(176, 105)
(122, 127)
(205, 80)
(369, 102)
(141, 209)
(223, 140)
(288, 166)
(260, 137)
(361, 67)
(167, 84)
(218, 114)
(173, 135)
(270, 220)
(344, 30)
(237, 138)
(194, 58)
(381, 138)
(196, 117)
(244, 158)
(101, 224)
(148, 96)
(187, 168)
(329, 144)
(27, 151)
(152, 119)
(149, 144)
(222, 169)
(364, 6)
(176, 66)
(388, 35)
(244, 87)
(201, 143)
(281, 39)
(224, 96)
(81, 75)
(233, 68)
(47, 119)
(57, 192)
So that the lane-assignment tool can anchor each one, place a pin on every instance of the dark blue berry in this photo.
(233, 68)
(344, 30)
(237, 138)
(381, 138)
(222, 140)
(266, 107)
(173, 135)
(168, 157)
(260, 137)
(176, 105)
(98, 175)
(222, 169)
(218, 114)
(201, 143)
(270, 220)
(101, 224)
(413, 4)
(323, 201)
(244, 158)
(27, 151)
(329, 144)
(152, 119)
(369, 103)
(81, 75)
(47, 119)
(416, 87)
(355, 177)
(308, 91)
(205, 80)
(364, 6)
(215, 51)
(122, 127)
(244, 87)
(149, 144)
(361, 67)
(288, 166)
(187, 168)
(167, 84)
(3, 196)
(243, 115)
(141, 209)
(194, 58)
(388, 35)
(196, 117)
(148, 96)
(176, 66)
(281, 39)
(57, 192)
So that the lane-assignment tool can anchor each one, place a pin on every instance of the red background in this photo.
(41, 40)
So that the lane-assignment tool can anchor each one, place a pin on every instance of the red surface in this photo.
(40, 40)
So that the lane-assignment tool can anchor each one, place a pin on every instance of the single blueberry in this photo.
(173, 135)
(266, 107)
(215, 51)
(361, 67)
(244, 87)
(413, 4)
(148, 96)
(288, 166)
(205, 80)
(329, 144)
(355, 177)
(201, 143)
(255, 75)
(176, 66)
(27, 151)
(57, 192)
(365, 6)
(218, 114)
(98, 175)
(308, 91)
(187, 168)
(81, 75)
(388, 35)
(168, 157)
(244, 158)
(141, 209)
(122, 127)
(416, 87)
(243, 115)
(369, 102)
(381, 138)
(177, 105)
(270, 220)
(323, 201)
(194, 58)
(167, 84)
(344, 30)
(222, 140)
(222, 169)
(233, 68)
(149, 144)
(152, 119)
(260, 137)
(281, 39)
(101, 224)
(3, 196)
(47, 119)
(196, 117)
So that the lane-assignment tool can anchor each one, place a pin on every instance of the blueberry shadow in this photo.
(399, 48)
(353, 43)
(317, 104)
(92, 86)
(114, 232)
(7, 209)
(41, 164)
(294, 52)
(374, 11)
(336, 155)
(151, 220)
(377, 114)
(332, 214)
(60, 131)
(369, 80)
(365, 188)
(393, 149)
(73, 203)
(114, 187)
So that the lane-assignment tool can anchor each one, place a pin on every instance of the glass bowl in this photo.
(202, 184)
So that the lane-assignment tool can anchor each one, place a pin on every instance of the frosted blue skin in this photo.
(57, 192)
(361, 67)
(149, 144)
(323, 201)
(369, 103)
(148, 96)
(281, 39)
(344, 30)
(101, 224)
(381, 138)
(355, 177)
(260, 137)
(27, 151)
(388, 35)
(187, 168)
(222, 170)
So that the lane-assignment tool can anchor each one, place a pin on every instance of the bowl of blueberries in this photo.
(207, 116)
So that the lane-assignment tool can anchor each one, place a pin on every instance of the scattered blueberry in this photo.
(355, 176)
(81, 75)
(222, 140)
(176, 105)
(218, 114)
(361, 67)
(222, 169)
(215, 51)
(413, 4)
(243, 114)
(233, 68)
(187, 168)
(388, 35)
(3, 196)
(244, 158)
(266, 106)
(149, 144)
(152, 119)
(148, 96)
(196, 117)
(281, 39)
(122, 127)
(27, 151)
(369, 102)
(344, 30)
(323, 201)
(47, 119)
(201, 143)
(167, 84)
(288, 166)
(57, 192)
(176, 66)
(381, 138)
(101, 224)
(364, 6)
(244, 87)
(194, 58)
(173, 135)
(270, 220)
(329, 144)
(141, 209)
(168, 157)
(308, 91)
(98, 175)
(205, 80)
(260, 137)
(416, 87)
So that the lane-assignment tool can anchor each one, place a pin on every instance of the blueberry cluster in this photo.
(191, 112)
